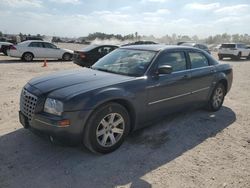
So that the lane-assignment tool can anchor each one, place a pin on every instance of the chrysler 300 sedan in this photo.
(101, 105)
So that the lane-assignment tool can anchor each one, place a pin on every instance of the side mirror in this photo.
(165, 69)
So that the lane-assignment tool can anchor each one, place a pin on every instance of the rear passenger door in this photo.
(202, 75)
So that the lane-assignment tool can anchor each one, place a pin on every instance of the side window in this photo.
(104, 50)
(241, 46)
(198, 60)
(176, 60)
(36, 44)
(48, 45)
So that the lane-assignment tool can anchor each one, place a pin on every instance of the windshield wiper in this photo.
(100, 69)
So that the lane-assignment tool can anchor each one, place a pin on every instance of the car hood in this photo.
(66, 83)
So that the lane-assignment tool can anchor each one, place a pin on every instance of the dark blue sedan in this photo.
(101, 105)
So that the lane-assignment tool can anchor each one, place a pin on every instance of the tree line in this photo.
(167, 39)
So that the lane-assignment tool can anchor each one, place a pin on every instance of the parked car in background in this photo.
(91, 54)
(4, 46)
(182, 42)
(28, 50)
(122, 92)
(233, 50)
(196, 45)
(139, 43)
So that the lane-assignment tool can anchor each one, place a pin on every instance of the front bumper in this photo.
(49, 125)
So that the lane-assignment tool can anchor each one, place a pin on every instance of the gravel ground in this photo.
(188, 149)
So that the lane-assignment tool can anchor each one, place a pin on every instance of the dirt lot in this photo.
(189, 149)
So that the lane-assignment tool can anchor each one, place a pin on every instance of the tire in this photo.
(67, 57)
(220, 57)
(5, 51)
(248, 57)
(107, 128)
(27, 56)
(216, 100)
(238, 56)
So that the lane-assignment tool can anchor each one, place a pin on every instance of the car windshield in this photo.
(125, 61)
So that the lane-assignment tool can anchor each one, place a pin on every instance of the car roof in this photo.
(156, 47)
(94, 46)
(29, 41)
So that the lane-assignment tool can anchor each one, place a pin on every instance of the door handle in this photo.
(213, 71)
(186, 76)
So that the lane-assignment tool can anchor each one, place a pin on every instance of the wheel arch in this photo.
(28, 52)
(123, 102)
(224, 82)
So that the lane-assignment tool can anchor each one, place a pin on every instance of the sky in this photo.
(75, 18)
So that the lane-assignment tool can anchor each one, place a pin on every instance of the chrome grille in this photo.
(28, 103)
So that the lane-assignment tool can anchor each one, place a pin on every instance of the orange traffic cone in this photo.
(45, 63)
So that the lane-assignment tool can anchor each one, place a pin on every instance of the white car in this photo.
(233, 50)
(30, 49)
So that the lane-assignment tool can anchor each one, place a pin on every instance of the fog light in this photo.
(64, 123)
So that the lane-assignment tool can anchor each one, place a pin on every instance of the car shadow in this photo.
(233, 60)
(29, 161)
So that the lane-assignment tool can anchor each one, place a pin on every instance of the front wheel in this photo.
(217, 98)
(107, 128)
(67, 57)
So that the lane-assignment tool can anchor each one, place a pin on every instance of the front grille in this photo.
(28, 103)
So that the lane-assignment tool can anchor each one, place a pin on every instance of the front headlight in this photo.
(53, 106)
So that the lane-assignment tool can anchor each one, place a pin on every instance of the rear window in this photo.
(228, 46)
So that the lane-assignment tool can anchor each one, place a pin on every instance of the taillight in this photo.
(82, 55)
(12, 47)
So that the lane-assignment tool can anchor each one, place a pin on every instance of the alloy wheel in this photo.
(218, 97)
(110, 130)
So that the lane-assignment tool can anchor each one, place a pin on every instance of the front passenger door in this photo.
(169, 92)
(51, 51)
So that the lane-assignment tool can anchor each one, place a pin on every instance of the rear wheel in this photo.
(107, 128)
(220, 57)
(67, 57)
(27, 56)
(5, 51)
(217, 97)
